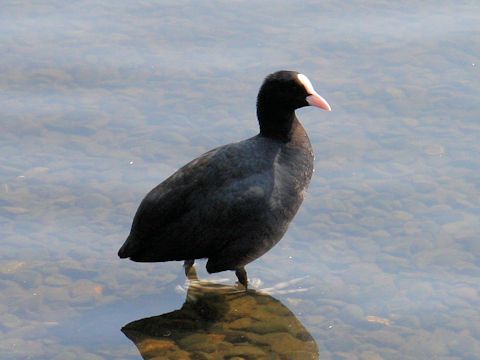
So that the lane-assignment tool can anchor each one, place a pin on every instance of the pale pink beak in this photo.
(318, 101)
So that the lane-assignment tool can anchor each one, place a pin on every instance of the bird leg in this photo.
(187, 266)
(242, 276)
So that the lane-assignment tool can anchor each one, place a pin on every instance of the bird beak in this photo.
(318, 101)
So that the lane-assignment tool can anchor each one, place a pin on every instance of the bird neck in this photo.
(276, 123)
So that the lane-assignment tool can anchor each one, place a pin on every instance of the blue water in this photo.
(101, 101)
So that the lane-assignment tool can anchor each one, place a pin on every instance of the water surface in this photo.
(101, 101)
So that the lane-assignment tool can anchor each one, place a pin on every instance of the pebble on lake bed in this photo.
(11, 267)
(378, 320)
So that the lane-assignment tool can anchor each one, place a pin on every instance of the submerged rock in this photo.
(222, 322)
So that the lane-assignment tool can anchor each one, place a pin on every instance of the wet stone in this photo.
(353, 314)
(245, 351)
(11, 266)
(85, 292)
(57, 280)
(229, 334)
(386, 338)
(242, 323)
(28, 279)
(55, 294)
(10, 321)
(197, 342)
(276, 325)
(199, 356)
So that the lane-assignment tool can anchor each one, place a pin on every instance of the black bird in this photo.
(233, 203)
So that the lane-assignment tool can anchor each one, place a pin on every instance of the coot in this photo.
(234, 203)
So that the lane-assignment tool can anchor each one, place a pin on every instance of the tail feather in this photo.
(127, 248)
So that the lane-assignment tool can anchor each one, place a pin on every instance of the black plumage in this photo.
(233, 203)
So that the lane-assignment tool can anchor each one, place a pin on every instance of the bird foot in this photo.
(242, 277)
(190, 271)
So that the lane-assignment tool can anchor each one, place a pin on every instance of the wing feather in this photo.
(194, 211)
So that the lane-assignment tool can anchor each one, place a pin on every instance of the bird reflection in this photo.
(223, 322)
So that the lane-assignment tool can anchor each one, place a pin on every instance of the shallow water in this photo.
(101, 101)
